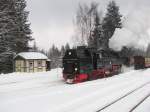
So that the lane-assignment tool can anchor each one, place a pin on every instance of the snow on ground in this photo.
(47, 92)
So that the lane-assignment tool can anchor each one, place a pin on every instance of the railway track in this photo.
(139, 103)
(126, 95)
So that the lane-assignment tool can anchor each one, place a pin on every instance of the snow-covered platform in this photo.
(47, 92)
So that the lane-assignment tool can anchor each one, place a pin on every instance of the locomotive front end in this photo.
(77, 65)
(70, 66)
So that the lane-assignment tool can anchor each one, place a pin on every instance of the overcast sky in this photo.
(52, 20)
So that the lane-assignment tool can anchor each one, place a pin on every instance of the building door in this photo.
(48, 65)
(31, 66)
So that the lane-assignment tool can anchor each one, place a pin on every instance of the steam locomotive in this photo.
(83, 64)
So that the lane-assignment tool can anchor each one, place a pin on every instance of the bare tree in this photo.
(84, 22)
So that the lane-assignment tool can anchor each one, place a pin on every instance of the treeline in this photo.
(54, 54)
(129, 52)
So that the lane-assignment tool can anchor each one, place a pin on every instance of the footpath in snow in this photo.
(47, 92)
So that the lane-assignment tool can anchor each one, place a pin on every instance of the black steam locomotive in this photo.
(83, 64)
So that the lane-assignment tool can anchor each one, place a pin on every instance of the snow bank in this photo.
(16, 81)
(135, 32)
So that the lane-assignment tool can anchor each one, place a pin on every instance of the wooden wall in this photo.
(30, 65)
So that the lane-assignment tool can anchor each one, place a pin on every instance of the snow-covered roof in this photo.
(32, 55)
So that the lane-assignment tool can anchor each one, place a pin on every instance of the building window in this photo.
(39, 63)
(30, 64)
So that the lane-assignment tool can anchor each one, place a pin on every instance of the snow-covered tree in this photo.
(14, 32)
(111, 21)
(22, 32)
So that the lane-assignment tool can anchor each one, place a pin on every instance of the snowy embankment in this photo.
(46, 92)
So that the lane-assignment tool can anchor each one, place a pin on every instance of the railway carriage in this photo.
(141, 62)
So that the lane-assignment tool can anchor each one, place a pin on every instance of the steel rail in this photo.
(127, 94)
(140, 103)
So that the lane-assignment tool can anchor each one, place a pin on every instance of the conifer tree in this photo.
(111, 21)
(14, 32)
(67, 46)
(62, 50)
(35, 48)
(22, 32)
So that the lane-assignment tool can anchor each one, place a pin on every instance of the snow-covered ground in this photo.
(47, 92)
